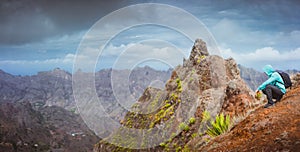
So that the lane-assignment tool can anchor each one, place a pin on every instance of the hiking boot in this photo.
(278, 99)
(268, 105)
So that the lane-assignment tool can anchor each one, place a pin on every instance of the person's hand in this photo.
(258, 95)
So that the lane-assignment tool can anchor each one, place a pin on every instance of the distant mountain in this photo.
(44, 89)
(252, 77)
(38, 113)
(292, 72)
(49, 129)
(55, 87)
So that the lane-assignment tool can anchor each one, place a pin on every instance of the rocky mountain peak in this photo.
(203, 83)
(199, 51)
(57, 72)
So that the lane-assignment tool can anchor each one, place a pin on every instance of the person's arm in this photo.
(269, 81)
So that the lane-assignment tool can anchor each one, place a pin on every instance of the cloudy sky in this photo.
(41, 35)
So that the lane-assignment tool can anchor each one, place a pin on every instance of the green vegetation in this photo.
(162, 144)
(192, 120)
(194, 135)
(186, 149)
(167, 105)
(193, 71)
(155, 102)
(221, 125)
(174, 97)
(191, 79)
(135, 106)
(179, 87)
(165, 113)
(178, 149)
(168, 109)
(73, 110)
(205, 116)
(258, 95)
(184, 127)
(200, 59)
(173, 135)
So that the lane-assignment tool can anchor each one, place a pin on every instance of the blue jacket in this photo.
(274, 79)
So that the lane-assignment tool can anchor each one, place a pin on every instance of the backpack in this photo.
(286, 79)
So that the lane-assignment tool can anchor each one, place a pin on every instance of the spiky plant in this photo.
(221, 125)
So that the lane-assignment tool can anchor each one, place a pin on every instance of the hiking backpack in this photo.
(286, 79)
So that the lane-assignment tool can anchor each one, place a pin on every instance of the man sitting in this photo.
(274, 87)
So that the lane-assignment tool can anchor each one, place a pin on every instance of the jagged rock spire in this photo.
(199, 49)
(198, 52)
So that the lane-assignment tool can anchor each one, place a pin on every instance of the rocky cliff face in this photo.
(204, 83)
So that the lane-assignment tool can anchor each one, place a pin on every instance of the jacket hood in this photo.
(268, 69)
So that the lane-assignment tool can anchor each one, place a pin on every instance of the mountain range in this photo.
(39, 113)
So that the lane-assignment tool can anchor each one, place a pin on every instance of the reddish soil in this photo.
(272, 129)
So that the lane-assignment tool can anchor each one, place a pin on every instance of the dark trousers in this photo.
(272, 92)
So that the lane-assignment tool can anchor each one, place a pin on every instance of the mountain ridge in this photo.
(48, 95)
(54, 87)
(38, 113)
(203, 83)
(172, 118)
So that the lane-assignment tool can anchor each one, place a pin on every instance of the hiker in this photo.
(274, 87)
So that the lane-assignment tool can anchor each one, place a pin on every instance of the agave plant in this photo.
(221, 125)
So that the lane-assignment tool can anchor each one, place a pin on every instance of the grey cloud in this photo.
(29, 21)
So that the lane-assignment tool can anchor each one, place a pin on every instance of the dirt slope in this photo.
(273, 129)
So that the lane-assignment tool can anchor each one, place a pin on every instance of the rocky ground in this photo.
(273, 129)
